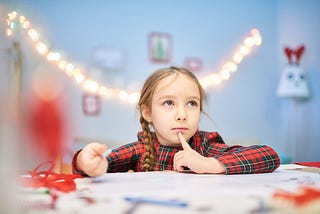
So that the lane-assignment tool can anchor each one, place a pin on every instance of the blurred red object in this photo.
(49, 179)
(304, 195)
(45, 126)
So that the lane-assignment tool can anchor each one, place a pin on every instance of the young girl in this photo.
(170, 106)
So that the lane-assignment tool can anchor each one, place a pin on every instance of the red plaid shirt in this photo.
(236, 159)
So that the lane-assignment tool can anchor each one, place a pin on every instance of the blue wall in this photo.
(244, 109)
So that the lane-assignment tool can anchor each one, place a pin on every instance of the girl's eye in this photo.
(193, 103)
(168, 103)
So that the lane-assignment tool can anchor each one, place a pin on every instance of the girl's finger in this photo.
(183, 141)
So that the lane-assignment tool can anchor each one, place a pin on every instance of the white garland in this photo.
(90, 85)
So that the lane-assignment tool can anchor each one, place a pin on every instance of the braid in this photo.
(149, 158)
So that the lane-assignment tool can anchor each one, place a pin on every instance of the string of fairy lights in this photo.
(88, 84)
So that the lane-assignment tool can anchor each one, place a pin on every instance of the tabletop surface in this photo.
(201, 193)
(174, 192)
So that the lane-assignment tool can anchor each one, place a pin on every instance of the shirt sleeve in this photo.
(122, 159)
(125, 157)
(244, 160)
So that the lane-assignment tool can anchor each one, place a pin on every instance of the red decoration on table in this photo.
(304, 195)
(49, 179)
(311, 164)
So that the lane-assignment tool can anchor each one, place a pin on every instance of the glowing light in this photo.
(9, 32)
(205, 82)
(244, 50)
(133, 98)
(237, 58)
(33, 35)
(230, 66)
(42, 48)
(256, 36)
(22, 19)
(216, 79)
(69, 69)
(91, 86)
(62, 65)
(25, 24)
(53, 56)
(225, 74)
(104, 91)
(249, 42)
(123, 95)
(78, 76)
(12, 15)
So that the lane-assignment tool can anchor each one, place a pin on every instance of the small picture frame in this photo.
(194, 64)
(160, 47)
(91, 104)
(108, 59)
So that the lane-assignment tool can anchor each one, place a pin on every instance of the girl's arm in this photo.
(251, 159)
(221, 158)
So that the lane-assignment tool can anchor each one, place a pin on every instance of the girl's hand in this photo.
(90, 159)
(194, 161)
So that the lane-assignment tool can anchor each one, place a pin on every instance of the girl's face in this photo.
(175, 108)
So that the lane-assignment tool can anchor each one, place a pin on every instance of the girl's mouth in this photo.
(180, 129)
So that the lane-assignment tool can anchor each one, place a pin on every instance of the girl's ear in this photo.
(146, 113)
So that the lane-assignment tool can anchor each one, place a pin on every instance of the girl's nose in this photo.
(181, 114)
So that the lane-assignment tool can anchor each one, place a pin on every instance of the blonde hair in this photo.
(145, 100)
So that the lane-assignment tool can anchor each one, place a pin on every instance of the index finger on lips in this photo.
(183, 142)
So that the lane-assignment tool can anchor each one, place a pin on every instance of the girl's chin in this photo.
(173, 144)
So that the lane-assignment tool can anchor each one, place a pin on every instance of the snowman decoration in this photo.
(293, 81)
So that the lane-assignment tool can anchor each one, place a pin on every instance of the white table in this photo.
(203, 193)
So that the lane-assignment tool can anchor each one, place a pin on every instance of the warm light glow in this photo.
(244, 50)
(256, 37)
(237, 58)
(216, 79)
(123, 95)
(92, 86)
(22, 19)
(225, 74)
(133, 98)
(12, 15)
(205, 82)
(78, 76)
(25, 24)
(104, 91)
(33, 35)
(249, 42)
(42, 48)
(9, 32)
(69, 69)
(62, 65)
(230, 66)
(52, 56)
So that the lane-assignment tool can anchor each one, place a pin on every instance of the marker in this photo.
(170, 203)
(106, 153)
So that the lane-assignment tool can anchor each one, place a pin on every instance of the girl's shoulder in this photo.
(208, 137)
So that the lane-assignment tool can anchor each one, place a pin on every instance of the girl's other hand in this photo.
(91, 161)
(194, 161)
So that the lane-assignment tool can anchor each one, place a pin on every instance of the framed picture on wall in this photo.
(160, 47)
(91, 104)
(193, 64)
(107, 58)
